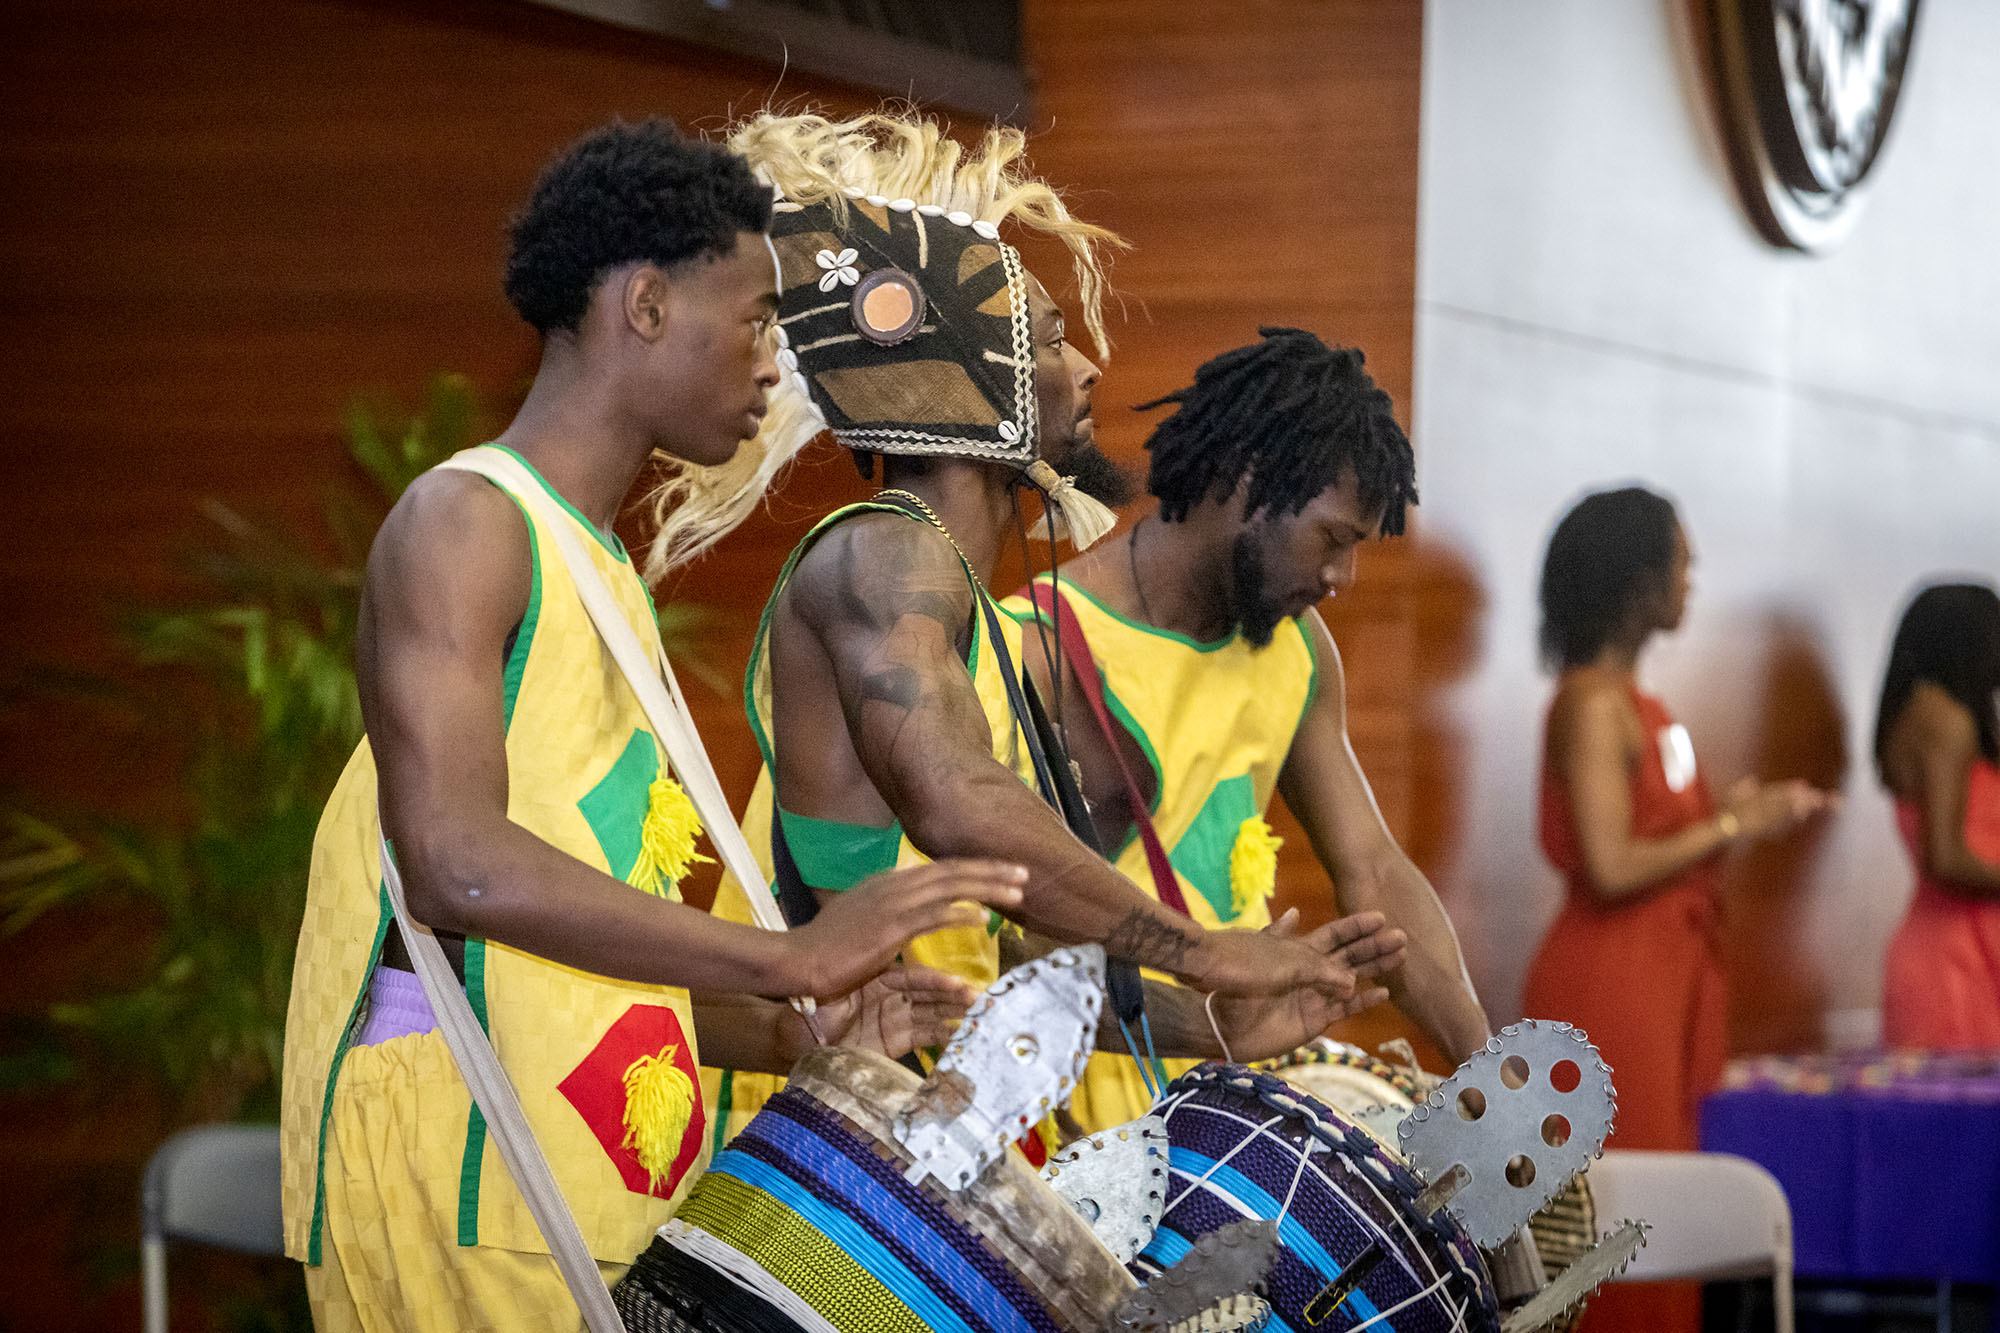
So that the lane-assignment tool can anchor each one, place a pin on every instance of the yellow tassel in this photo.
(1253, 864)
(666, 840)
(659, 1098)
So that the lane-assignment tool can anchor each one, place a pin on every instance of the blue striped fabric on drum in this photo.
(808, 1158)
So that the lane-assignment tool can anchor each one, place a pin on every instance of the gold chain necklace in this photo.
(929, 514)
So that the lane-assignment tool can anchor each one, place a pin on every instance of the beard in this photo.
(1256, 614)
(1096, 475)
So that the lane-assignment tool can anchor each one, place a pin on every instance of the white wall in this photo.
(1594, 306)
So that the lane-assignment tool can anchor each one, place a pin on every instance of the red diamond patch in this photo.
(596, 1088)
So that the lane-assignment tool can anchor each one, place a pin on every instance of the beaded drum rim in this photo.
(1361, 1061)
(1450, 1252)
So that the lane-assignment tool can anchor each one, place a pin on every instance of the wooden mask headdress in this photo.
(904, 325)
(907, 328)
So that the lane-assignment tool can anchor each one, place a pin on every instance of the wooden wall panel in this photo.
(220, 219)
(1262, 159)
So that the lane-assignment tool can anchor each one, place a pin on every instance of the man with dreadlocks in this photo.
(882, 685)
(1215, 683)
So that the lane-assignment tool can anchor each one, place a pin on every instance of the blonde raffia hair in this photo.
(811, 159)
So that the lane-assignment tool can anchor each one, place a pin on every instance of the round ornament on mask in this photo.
(888, 307)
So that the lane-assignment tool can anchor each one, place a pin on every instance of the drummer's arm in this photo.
(1188, 1024)
(1323, 786)
(747, 1032)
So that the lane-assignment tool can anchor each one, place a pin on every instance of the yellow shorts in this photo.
(390, 1251)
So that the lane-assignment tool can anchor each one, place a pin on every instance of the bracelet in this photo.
(1209, 1006)
(1729, 824)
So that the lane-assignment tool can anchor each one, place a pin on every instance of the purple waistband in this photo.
(397, 1007)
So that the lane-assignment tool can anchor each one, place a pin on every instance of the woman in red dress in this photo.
(1937, 748)
(1628, 820)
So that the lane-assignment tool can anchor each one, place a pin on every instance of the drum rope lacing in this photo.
(1433, 1284)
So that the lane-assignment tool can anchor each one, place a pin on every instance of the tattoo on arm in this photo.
(896, 685)
(878, 603)
(1143, 938)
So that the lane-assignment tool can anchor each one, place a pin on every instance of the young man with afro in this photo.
(528, 800)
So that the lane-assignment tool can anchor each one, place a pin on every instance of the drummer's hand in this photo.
(1260, 1027)
(900, 1011)
(1335, 960)
(858, 933)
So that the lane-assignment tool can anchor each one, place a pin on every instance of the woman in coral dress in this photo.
(1937, 747)
(1628, 820)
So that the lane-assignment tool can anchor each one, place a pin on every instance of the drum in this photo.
(1372, 1093)
(1376, 1094)
(1355, 1252)
(808, 1221)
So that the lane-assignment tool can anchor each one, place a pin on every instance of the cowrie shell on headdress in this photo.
(986, 229)
(902, 205)
(931, 210)
(839, 268)
(802, 386)
(959, 218)
(879, 200)
(788, 359)
(778, 332)
(1009, 431)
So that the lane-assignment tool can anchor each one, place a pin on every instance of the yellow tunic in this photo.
(837, 856)
(1215, 722)
(382, 1146)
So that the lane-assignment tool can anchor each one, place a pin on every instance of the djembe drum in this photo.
(808, 1222)
(1245, 1143)
(1371, 1092)
(1375, 1094)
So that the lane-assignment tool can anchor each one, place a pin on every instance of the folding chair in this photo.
(1714, 1216)
(215, 1185)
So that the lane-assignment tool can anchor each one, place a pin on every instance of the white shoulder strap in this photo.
(659, 694)
(501, 1106)
(666, 710)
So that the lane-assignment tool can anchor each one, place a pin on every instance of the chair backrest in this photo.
(1714, 1216)
(217, 1185)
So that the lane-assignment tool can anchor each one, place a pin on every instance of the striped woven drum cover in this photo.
(809, 1215)
(1244, 1143)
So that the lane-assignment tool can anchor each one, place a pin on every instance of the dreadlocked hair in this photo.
(1289, 414)
(811, 159)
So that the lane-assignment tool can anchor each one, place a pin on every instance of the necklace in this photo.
(930, 516)
(1132, 559)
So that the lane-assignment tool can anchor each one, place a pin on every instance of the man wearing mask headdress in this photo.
(883, 686)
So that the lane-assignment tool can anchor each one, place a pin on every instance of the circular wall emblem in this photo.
(1808, 88)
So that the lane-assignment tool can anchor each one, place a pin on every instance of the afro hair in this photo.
(625, 194)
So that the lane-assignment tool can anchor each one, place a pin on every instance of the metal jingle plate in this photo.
(1522, 1116)
(1117, 1180)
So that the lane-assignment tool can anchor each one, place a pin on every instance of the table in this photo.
(1891, 1160)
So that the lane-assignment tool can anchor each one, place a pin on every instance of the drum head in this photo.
(1372, 1093)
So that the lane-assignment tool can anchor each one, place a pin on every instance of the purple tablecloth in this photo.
(1891, 1163)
